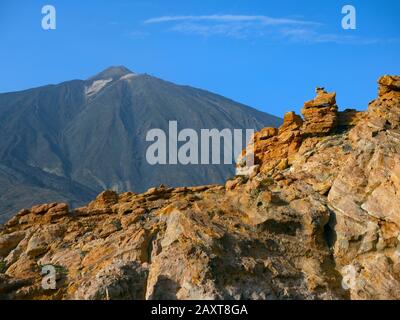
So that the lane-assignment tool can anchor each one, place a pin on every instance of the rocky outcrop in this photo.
(320, 114)
(272, 148)
(389, 84)
(315, 217)
(366, 201)
(349, 118)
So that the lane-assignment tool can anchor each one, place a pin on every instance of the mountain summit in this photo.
(113, 72)
(69, 141)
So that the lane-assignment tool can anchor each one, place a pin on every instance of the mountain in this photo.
(317, 217)
(67, 142)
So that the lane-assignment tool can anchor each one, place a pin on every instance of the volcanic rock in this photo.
(320, 114)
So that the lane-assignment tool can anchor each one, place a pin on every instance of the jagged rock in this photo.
(43, 238)
(107, 197)
(349, 118)
(320, 114)
(272, 148)
(41, 209)
(388, 83)
(8, 286)
(365, 194)
(231, 184)
(291, 122)
(9, 241)
(116, 281)
(316, 217)
(58, 211)
(265, 134)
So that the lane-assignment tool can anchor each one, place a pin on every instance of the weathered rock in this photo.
(320, 114)
(43, 238)
(231, 184)
(265, 134)
(41, 209)
(117, 281)
(388, 83)
(366, 201)
(271, 149)
(349, 118)
(107, 197)
(8, 286)
(58, 211)
(291, 122)
(9, 241)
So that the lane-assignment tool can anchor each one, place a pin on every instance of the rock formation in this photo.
(317, 217)
(320, 114)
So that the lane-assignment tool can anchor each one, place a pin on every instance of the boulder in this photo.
(9, 241)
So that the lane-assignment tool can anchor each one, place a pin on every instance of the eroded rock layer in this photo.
(316, 217)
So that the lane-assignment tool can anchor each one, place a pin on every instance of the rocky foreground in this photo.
(317, 217)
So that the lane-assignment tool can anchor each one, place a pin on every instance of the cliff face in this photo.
(317, 217)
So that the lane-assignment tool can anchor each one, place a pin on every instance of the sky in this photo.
(266, 54)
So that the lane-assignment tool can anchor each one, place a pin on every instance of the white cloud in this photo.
(235, 26)
(256, 26)
(239, 31)
(313, 36)
(265, 20)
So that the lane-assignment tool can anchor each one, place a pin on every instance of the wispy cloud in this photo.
(234, 26)
(265, 20)
(314, 36)
(256, 26)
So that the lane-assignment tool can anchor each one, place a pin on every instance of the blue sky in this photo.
(267, 54)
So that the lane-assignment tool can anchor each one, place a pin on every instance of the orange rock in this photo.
(320, 114)
(323, 99)
(388, 83)
(349, 118)
(291, 121)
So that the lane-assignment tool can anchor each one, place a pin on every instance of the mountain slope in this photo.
(67, 142)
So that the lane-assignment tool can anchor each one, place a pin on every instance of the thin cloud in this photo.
(265, 20)
(258, 26)
(312, 36)
(233, 26)
(238, 31)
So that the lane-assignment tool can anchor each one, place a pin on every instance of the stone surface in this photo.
(9, 241)
(349, 118)
(320, 114)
